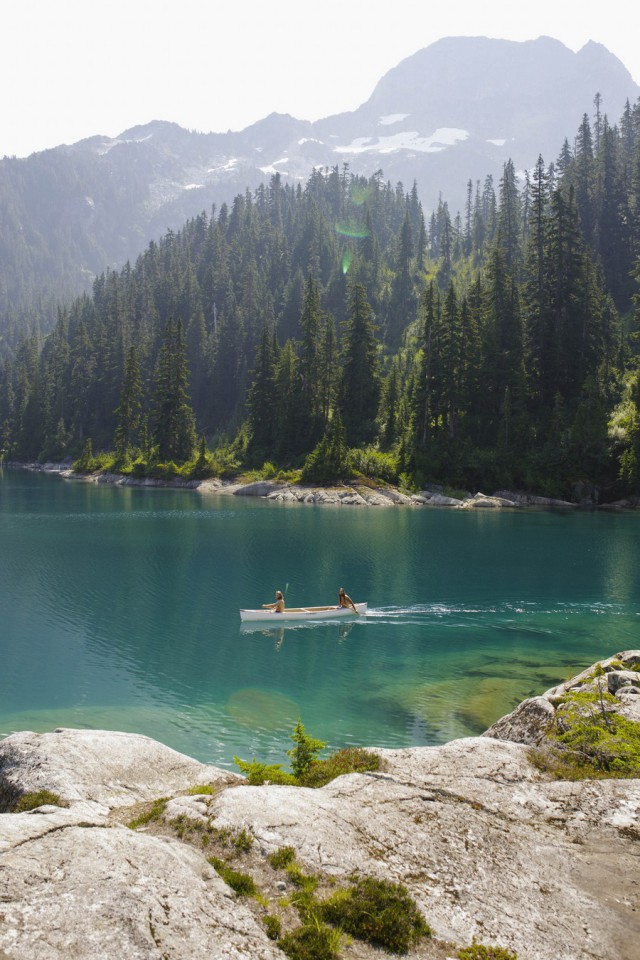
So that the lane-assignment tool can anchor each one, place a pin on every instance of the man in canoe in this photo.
(278, 606)
(344, 600)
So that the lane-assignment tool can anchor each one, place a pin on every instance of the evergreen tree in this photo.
(262, 395)
(174, 427)
(130, 408)
(360, 390)
(311, 419)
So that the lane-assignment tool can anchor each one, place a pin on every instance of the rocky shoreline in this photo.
(488, 846)
(346, 494)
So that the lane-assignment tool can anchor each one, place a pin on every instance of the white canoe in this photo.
(304, 613)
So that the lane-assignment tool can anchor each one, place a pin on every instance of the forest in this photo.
(332, 330)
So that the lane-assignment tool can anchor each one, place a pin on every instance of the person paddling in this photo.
(278, 606)
(344, 600)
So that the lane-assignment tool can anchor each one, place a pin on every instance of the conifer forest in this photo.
(335, 329)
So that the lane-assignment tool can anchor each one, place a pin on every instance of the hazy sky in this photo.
(73, 68)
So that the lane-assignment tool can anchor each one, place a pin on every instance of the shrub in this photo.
(243, 842)
(273, 926)
(479, 951)
(282, 857)
(348, 760)
(589, 741)
(379, 912)
(242, 883)
(258, 773)
(304, 751)
(37, 798)
(373, 463)
(311, 941)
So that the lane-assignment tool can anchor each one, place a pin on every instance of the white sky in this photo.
(73, 68)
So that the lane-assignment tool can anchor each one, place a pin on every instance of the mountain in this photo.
(453, 112)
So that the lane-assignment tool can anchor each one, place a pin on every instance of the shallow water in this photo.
(119, 610)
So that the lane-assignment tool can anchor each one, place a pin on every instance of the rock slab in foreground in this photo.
(486, 846)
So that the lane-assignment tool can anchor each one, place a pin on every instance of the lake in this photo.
(119, 609)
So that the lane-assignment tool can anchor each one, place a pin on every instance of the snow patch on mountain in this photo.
(271, 168)
(229, 165)
(439, 140)
(392, 118)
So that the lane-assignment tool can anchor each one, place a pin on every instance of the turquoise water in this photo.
(119, 610)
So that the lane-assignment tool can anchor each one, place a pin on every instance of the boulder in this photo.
(487, 845)
(106, 892)
(528, 723)
(481, 501)
(111, 769)
(439, 500)
(261, 488)
(531, 500)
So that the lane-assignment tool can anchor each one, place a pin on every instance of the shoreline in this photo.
(106, 843)
(344, 494)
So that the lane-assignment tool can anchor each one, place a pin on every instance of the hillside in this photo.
(452, 113)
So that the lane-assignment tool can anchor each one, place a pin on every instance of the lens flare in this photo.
(346, 261)
(359, 195)
(351, 228)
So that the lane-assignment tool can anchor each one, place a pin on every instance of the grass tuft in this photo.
(37, 798)
(201, 788)
(282, 857)
(311, 941)
(243, 884)
(153, 813)
(480, 951)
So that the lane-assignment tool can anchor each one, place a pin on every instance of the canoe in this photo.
(304, 613)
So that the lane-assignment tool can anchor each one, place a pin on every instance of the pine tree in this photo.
(174, 428)
(262, 397)
(129, 409)
(360, 389)
(311, 420)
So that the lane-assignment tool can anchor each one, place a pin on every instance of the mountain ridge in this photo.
(451, 113)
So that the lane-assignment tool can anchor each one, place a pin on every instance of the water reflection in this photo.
(338, 631)
(119, 608)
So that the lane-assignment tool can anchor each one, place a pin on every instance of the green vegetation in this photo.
(282, 857)
(379, 912)
(347, 760)
(479, 951)
(311, 941)
(589, 740)
(306, 882)
(308, 771)
(206, 789)
(305, 750)
(258, 773)
(154, 812)
(243, 884)
(37, 798)
(495, 349)
(243, 841)
(273, 926)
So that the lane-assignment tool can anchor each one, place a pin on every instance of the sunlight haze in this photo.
(74, 68)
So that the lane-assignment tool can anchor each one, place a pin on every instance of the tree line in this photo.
(332, 329)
